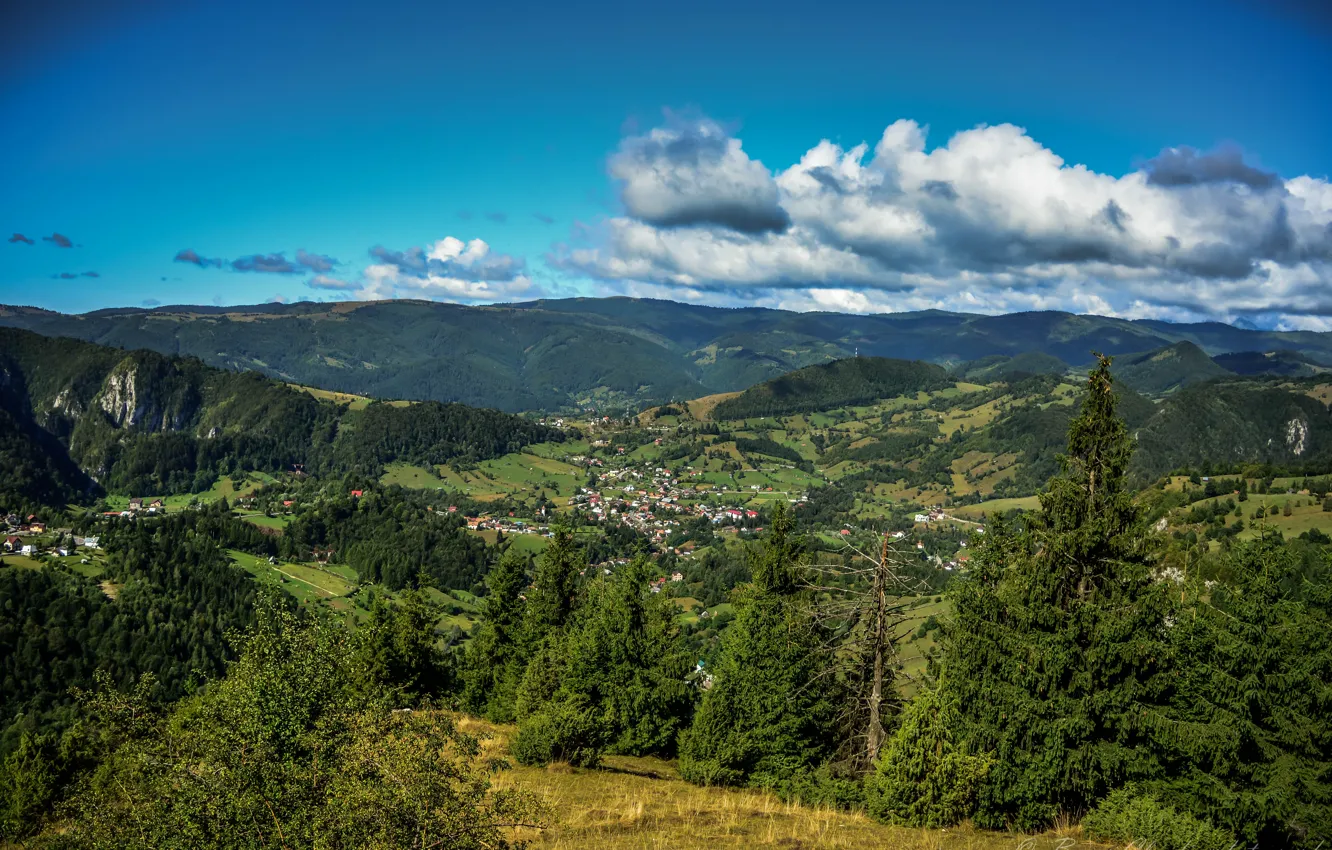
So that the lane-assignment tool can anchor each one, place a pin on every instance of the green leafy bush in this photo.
(1127, 816)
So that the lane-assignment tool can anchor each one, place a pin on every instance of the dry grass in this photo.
(642, 804)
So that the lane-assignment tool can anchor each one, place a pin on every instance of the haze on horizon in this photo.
(1118, 159)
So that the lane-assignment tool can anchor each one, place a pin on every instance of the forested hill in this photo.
(555, 354)
(856, 380)
(77, 417)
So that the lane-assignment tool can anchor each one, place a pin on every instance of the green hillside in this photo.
(1291, 363)
(853, 381)
(141, 422)
(1167, 369)
(1002, 367)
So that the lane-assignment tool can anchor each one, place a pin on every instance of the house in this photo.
(922, 518)
(677, 577)
(356, 494)
(28, 549)
(12, 543)
(37, 527)
(135, 504)
(156, 503)
(286, 503)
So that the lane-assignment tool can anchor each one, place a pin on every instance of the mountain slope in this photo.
(856, 380)
(597, 351)
(1290, 363)
(143, 422)
(1167, 369)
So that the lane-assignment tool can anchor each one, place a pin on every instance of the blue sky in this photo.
(243, 129)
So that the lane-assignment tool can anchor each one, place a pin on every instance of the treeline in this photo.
(144, 423)
(389, 536)
(857, 380)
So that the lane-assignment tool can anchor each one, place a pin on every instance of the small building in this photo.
(12, 543)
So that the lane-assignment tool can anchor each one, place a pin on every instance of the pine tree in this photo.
(494, 661)
(769, 713)
(1058, 637)
(620, 684)
(1247, 740)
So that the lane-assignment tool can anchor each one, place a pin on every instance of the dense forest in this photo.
(557, 353)
(143, 423)
(856, 380)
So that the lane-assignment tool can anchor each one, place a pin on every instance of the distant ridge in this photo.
(601, 353)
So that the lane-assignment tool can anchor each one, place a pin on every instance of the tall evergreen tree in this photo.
(769, 713)
(622, 686)
(1058, 642)
(495, 659)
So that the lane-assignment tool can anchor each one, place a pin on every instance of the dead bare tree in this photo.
(863, 604)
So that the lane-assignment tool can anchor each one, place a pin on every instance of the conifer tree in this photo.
(1058, 642)
(1247, 740)
(494, 661)
(622, 685)
(769, 713)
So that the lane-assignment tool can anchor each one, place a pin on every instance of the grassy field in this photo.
(224, 487)
(642, 804)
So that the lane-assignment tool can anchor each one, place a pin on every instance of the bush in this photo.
(813, 788)
(562, 732)
(923, 778)
(1128, 816)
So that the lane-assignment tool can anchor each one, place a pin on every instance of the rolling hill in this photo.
(856, 380)
(559, 354)
(1167, 369)
(1291, 363)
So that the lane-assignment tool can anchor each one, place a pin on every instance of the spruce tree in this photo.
(1058, 641)
(495, 659)
(1247, 742)
(621, 686)
(769, 713)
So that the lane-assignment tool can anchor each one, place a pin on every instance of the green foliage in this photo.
(390, 536)
(620, 681)
(1057, 644)
(282, 752)
(494, 661)
(1130, 817)
(767, 714)
(395, 653)
(765, 446)
(857, 380)
(1246, 739)
(923, 777)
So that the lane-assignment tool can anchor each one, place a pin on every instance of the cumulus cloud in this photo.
(991, 221)
(19, 237)
(692, 172)
(57, 239)
(448, 270)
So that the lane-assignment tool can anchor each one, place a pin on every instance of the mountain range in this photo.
(594, 352)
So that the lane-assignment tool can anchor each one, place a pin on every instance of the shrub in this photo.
(1127, 816)
(562, 732)
(923, 778)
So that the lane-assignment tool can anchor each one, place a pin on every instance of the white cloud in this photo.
(449, 270)
(990, 222)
